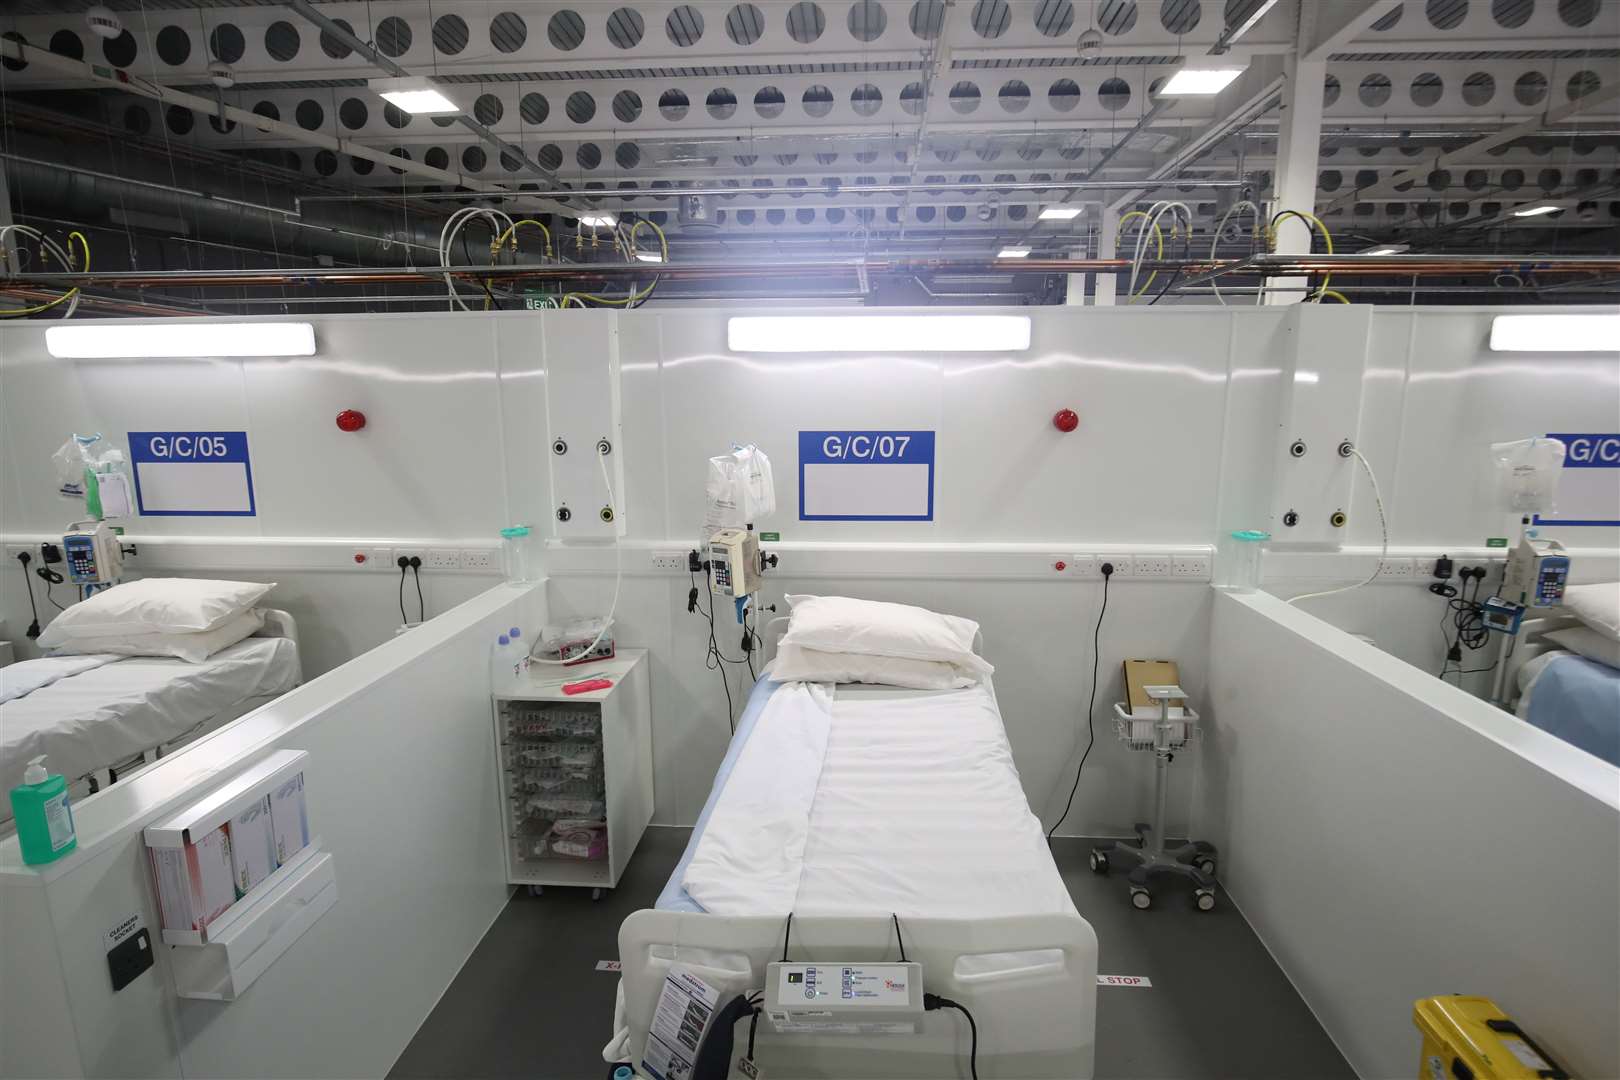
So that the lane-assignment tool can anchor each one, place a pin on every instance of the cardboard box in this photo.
(289, 822)
(1140, 673)
(196, 882)
(253, 846)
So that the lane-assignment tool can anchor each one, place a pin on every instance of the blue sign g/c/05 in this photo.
(1589, 487)
(866, 476)
(192, 473)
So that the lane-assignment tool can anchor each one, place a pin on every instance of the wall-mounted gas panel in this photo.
(585, 435)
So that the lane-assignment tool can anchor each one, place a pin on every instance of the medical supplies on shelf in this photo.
(577, 641)
(575, 774)
(239, 877)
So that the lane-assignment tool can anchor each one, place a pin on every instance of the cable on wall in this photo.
(1091, 701)
(1383, 529)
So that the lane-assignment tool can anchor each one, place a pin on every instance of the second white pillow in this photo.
(194, 647)
(840, 624)
(796, 664)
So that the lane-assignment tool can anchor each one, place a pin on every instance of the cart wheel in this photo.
(1098, 862)
(596, 893)
(1204, 899)
(537, 890)
(1207, 865)
(1141, 899)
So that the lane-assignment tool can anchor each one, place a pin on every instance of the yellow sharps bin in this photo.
(1469, 1038)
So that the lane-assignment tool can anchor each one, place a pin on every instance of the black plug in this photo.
(1454, 654)
(1107, 569)
(415, 563)
(747, 642)
(1443, 567)
(33, 627)
(694, 562)
(691, 600)
(403, 562)
(24, 558)
(50, 553)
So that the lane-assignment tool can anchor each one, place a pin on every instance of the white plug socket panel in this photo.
(1150, 566)
(1190, 567)
(1122, 566)
(406, 553)
(669, 560)
(1398, 569)
(1084, 567)
(370, 558)
(442, 559)
(482, 560)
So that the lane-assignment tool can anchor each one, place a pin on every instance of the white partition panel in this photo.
(400, 787)
(1391, 838)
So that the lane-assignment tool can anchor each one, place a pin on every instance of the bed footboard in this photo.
(1031, 982)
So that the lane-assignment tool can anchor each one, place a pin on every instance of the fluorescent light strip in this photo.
(1013, 253)
(598, 221)
(877, 333)
(202, 338)
(1556, 333)
(1199, 81)
(649, 256)
(1060, 213)
(420, 102)
(1537, 211)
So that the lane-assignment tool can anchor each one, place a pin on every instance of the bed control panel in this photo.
(844, 998)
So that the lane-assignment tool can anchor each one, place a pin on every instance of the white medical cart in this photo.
(576, 780)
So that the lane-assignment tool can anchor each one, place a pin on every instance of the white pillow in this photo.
(193, 646)
(155, 605)
(1584, 641)
(873, 628)
(812, 665)
(1597, 605)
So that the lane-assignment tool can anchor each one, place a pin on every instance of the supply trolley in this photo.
(575, 772)
(1165, 736)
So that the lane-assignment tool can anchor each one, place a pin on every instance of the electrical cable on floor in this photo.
(1383, 528)
(1091, 702)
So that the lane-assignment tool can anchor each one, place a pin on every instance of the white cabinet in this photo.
(575, 771)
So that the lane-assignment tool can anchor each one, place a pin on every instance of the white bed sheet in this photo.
(916, 809)
(106, 715)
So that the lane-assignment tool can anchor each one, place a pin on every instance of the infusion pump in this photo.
(734, 562)
(95, 557)
(1536, 574)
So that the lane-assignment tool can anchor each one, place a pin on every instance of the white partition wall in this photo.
(401, 789)
(1391, 838)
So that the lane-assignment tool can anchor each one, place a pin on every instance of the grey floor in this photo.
(530, 1003)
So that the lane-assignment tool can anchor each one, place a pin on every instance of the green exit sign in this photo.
(770, 538)
(1496, 541)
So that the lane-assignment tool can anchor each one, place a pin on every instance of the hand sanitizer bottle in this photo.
(44, 819)
(520, 650)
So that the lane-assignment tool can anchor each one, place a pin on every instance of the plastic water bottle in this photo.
(520, 650)
(500, 662)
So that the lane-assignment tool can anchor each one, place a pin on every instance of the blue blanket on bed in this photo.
(674, 897)
(1578, 700)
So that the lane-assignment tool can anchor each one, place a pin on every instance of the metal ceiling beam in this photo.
(1389, 185)
(378, 60)
(1325, 28)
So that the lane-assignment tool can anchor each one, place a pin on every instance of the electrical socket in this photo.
(1122, 566)
(441, 559)
(485, 560)
(1398, 569)
(1190, 567)
(1151, 566)
(1084, 567)
(406, 553)
(669, 560)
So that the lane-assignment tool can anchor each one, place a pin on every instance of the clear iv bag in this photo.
(740, 489)
(1527, 474)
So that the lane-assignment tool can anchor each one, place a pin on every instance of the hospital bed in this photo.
(1564, 694)
(914, 809)
(98, 719)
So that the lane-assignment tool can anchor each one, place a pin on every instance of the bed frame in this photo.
(1036, 1016)
(1532, 643)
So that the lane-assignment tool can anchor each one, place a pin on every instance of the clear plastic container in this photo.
(1237, 560)
(518, 560)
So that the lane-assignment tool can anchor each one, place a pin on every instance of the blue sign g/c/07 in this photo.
(866, 476)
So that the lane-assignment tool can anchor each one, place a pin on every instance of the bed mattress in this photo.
(110, 712)
(865, 799)
(1574, 698)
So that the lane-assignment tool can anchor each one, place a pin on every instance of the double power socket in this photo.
(475, 560)
(1134, 567)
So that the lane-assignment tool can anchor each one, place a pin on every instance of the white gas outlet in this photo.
(1190, 567)
(482, 560)
(1121, 563)
(1151, 566)
(441, 559)
(1398, 569)
(1084, 567)
(669, 560)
